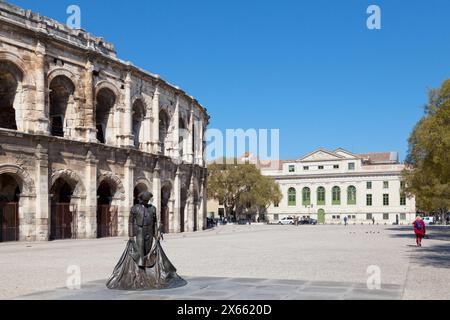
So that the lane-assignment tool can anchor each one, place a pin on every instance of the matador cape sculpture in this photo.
(144, 265)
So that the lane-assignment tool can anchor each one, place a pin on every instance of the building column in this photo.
(190, 144)
(199, 141)
(41, 114)
(91, 195)
(201, 213)
(147, 127)
(175, 153)
(189, 215)
(89, 108)
(42, 196)
(125, 130)
(128, 183)
(177, 202)
(157, 191)
(155, 143)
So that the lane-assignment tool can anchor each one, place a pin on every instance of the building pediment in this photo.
(321, 155)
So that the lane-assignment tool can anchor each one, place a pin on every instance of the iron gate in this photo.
(107, 221)
(61, 222)
(9, 219)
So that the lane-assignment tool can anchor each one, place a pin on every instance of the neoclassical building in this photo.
(82, 133)
(330, 185)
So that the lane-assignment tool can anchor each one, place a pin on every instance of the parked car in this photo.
(308, 221)
(286, 220)
(428, 220)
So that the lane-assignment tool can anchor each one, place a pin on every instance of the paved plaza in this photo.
(245, 262)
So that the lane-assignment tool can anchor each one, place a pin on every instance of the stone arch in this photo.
(141, 184)
(74, 179)
(16, 60)
(106, 101)
(26, 183)
(164, 124)
(62, 110)
(139, 111)
(167, 195)
(11, 95)
(119, 193)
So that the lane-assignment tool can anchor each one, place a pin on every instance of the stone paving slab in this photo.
(211, 288)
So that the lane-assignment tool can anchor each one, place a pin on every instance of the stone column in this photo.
(88, 121)
(176, 130)
(126, 130)
(190, 144)
(128, 183)
(41, 114)
(189, 215)
(147, 127)
(177, 202)
(91, 195)
(42, 196)
(155, 143)
(157, 191)
(201, 211)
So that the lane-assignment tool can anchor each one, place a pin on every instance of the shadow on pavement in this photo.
(437, 256)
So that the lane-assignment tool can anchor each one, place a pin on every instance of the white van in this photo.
(428, 220)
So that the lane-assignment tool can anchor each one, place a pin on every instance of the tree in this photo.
(241, 185)
(427, 175)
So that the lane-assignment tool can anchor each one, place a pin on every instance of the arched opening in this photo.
(320, 196)
(165, 197)
(105, 102)
(107, 223)
(61, 96)
(138, 118)
(62, 222)
(10, 78)
(163, 129)
(140, 187)
(184, 196)
(9, 208)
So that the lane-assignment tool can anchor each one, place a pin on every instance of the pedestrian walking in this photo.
(419, 230)
(161, 231)
(345, 220)
(373, 221)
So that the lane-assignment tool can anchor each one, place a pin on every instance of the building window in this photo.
(386, 184)
(368, 200)
(336, 166)
(276, 205)
(354, 217)
(320, 167)
(291, 168)
(402, 199)
(351, 195)
(275, 217)
(306, 168)
(292, 197)
(385, 199)
(385, 216)
(369, 185)
(336, 195)
(306, 196)
(369, 216)
(402, 216)
(402, 185)
(321, 196)
(351, 166)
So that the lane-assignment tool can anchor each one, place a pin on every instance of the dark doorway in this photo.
(62, 220)
(107, 223)
(9, 208)
(10, 76)
(137, 191)
(183, 209)
(165, 196)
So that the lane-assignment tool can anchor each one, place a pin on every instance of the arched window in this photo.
(336, 195)
(10, 80)
(320, 196)
(181, 138)
(163, 129)
(138, 117)
(306, 196)
(103, 113)
(292, 197)
(61, 99)
(351, 195)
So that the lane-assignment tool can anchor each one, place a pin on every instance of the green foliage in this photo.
(241, 186)
(428, 174)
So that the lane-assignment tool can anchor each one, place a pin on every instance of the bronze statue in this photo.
(143, 265)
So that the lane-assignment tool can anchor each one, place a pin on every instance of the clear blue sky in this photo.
(310, 68)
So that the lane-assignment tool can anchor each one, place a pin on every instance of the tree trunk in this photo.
(442, 215)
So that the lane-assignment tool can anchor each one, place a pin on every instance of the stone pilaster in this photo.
(88, 123)
(155, 143)
(42, 196)
(176, 130)
(157, 191)
(126, 130)
(190, 207)
(177, 202)
(128, 183)
(190, 145)
(41, 114)
(201, 207)
(91, 195)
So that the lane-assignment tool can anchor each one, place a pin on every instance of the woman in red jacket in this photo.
(419, 230)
